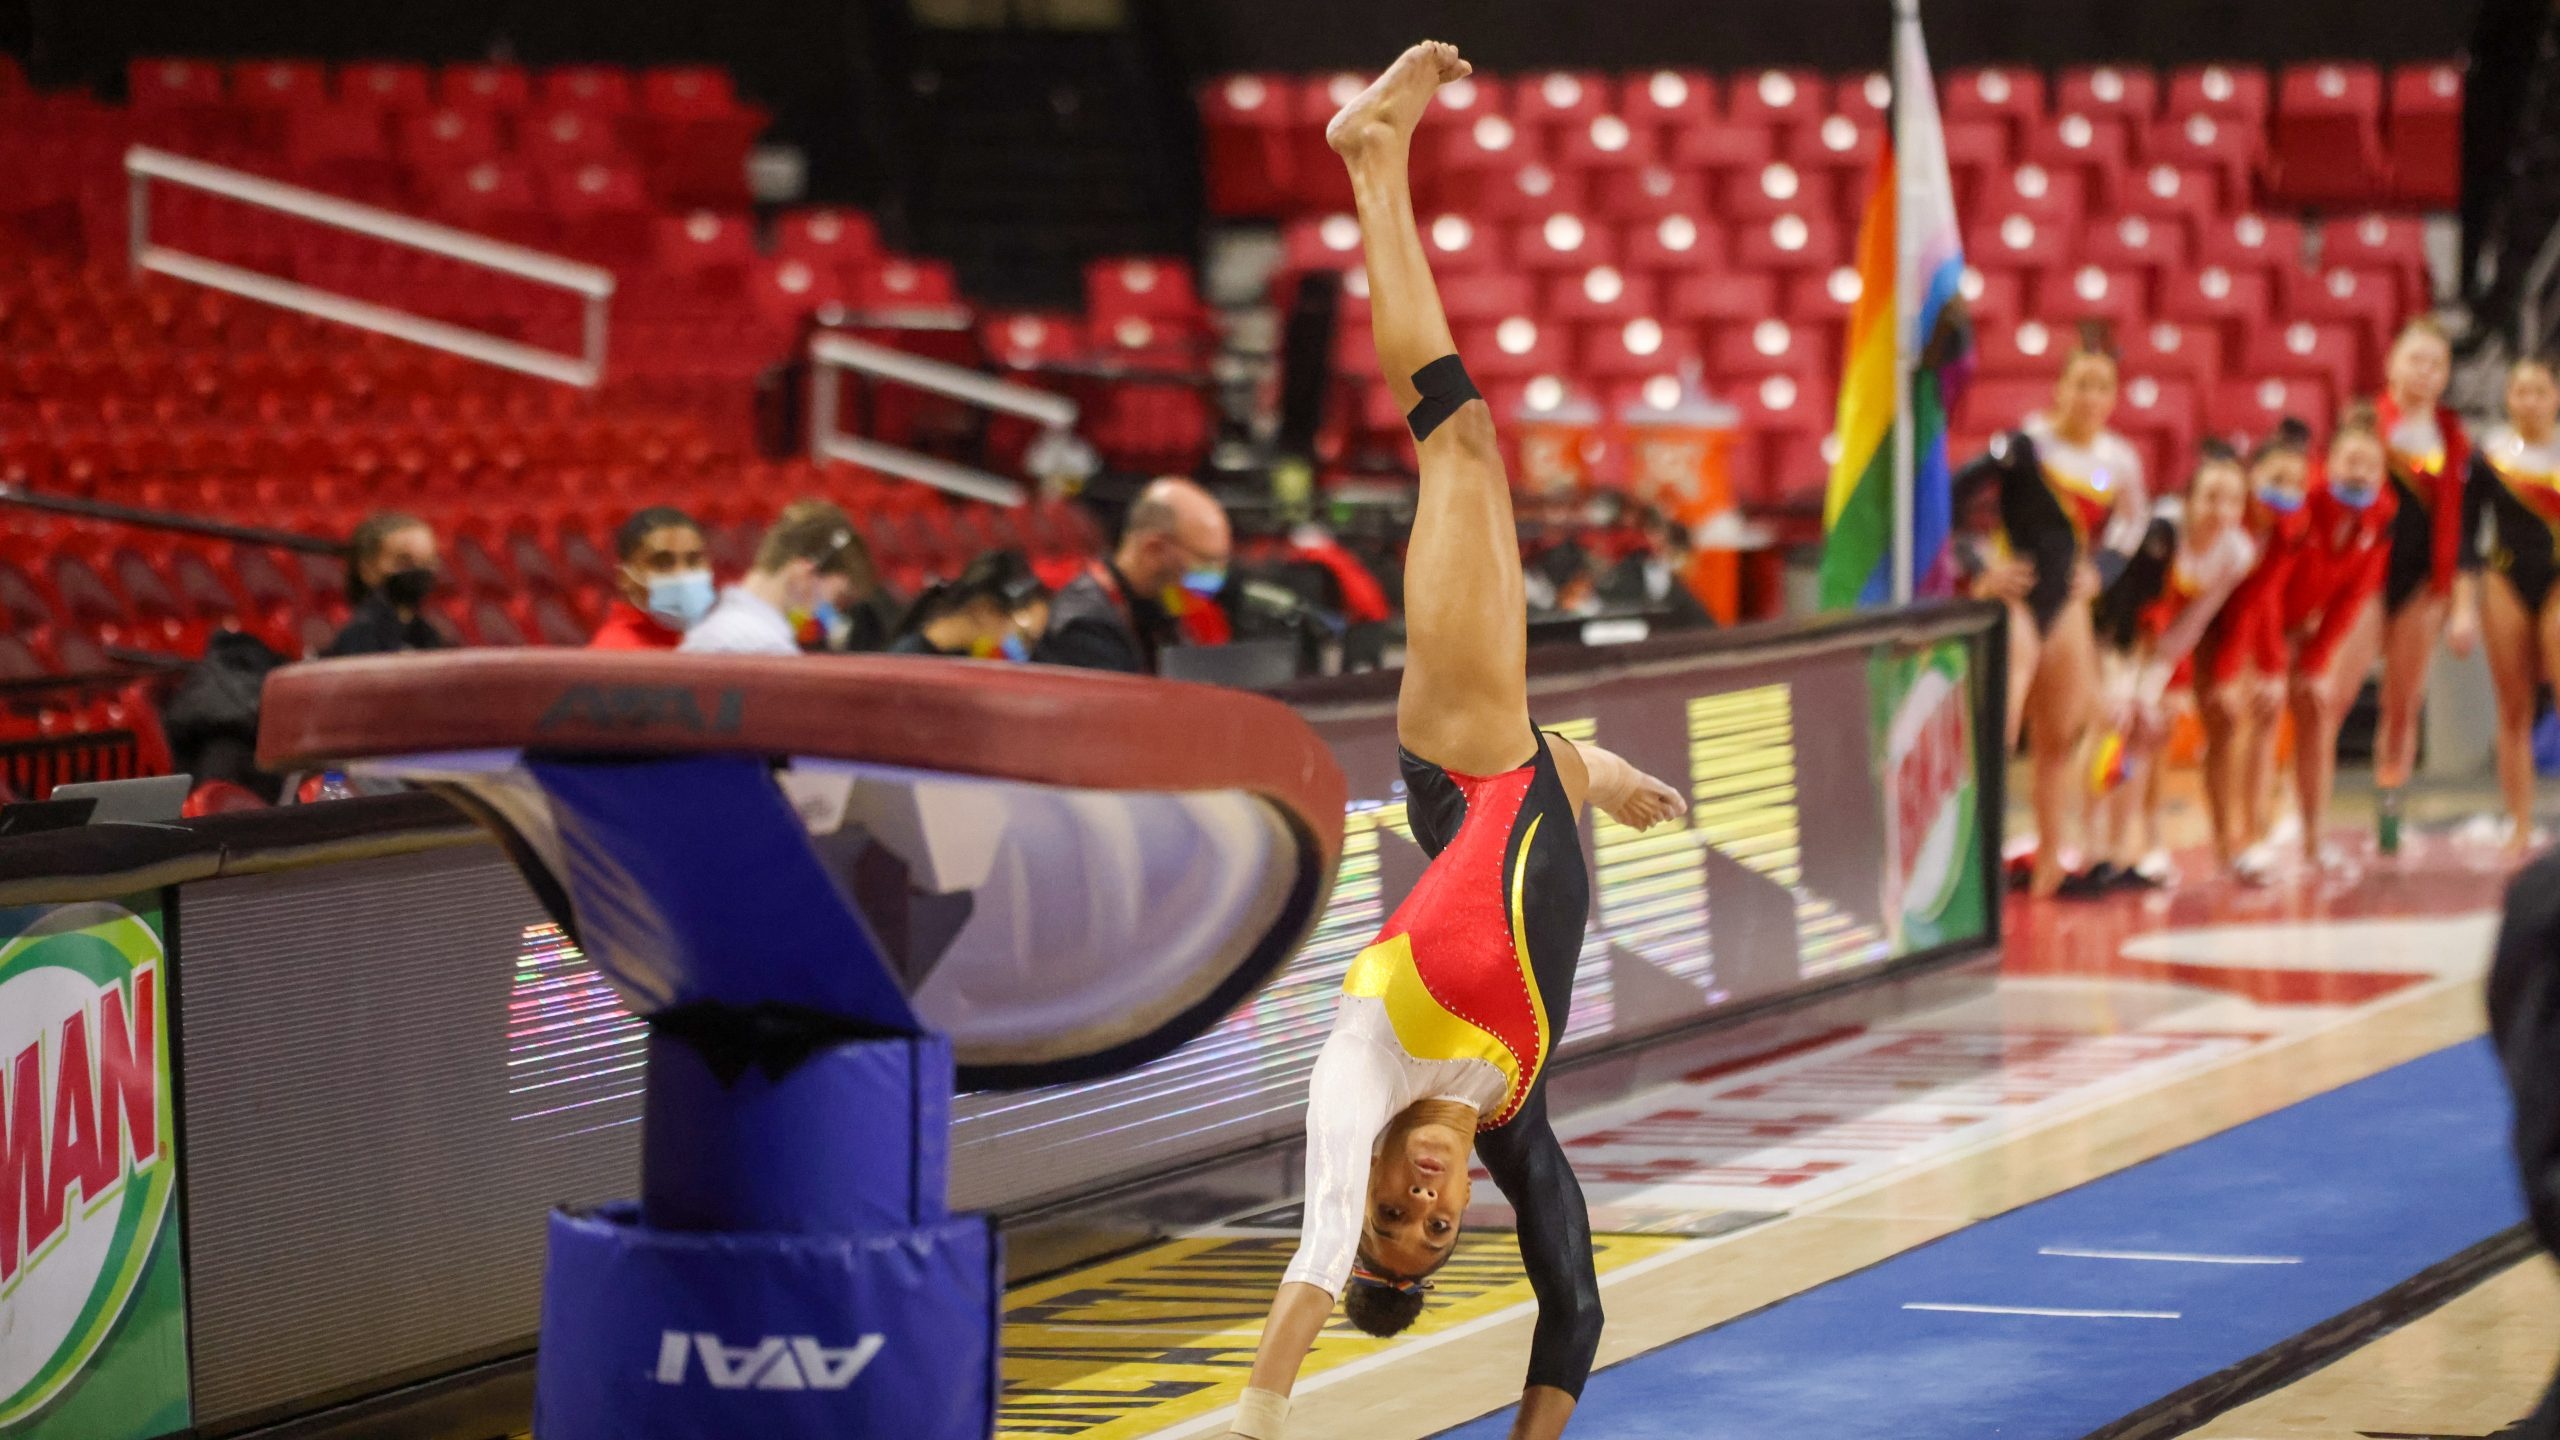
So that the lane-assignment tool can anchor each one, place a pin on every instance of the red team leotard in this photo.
(2250, 633)
(2344, 557)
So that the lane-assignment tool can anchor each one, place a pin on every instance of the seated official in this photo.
(391, 570)
(1114, 616)
(997, 609)
(1654, 578)
(810, 563)
(663, 585)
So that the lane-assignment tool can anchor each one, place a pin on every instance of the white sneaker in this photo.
(2156, 867)
(2286, 833)
(2255, 865)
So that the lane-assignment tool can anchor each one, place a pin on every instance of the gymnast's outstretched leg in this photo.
(1465, 700)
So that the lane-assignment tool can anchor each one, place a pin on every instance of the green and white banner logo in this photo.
(1925, 756)
(92, 1294)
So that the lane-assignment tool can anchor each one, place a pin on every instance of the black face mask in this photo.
(408, 589)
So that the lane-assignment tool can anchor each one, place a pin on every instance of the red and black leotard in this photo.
(2516, 488)
(2429, 463)
(1463, 996)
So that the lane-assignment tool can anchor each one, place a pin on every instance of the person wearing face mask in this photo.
(663, 584)
(996, 610)
(391, 570)
(1118, 615)
(2246, 659)
(2334, 608)
(2515, 486)
(809, 565)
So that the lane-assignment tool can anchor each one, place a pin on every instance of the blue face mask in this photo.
(2354, 499)
(1014, 647)
(1205, 581)
(827, 616)
(679, 601)
(2283, 502)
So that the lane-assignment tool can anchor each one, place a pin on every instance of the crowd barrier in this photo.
(285, 1097)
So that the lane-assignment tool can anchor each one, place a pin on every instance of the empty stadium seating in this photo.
(1562, 209)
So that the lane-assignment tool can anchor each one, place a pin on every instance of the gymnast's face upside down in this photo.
(1418, 1188)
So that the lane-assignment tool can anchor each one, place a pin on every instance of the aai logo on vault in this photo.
(776, 1362)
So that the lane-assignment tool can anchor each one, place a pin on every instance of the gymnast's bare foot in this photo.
(1394, 103)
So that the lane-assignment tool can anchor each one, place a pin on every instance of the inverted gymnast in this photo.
(1445, 1023)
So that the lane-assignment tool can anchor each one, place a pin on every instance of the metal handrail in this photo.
(829, 353)
(592, 284)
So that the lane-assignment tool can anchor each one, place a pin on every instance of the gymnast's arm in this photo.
(1528, 1163)
(1615, 788)
(1350, 1097)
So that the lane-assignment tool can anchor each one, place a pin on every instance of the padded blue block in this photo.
(855, 1138)
(693, 880)
(652, 1335)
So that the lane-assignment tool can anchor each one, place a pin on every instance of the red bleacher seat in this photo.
(1249, 157)
(1670, 100)
(2096, 148)
(447, 138)
(2124, 92)
(2013, 97)
(1721, 297)
(830, 238)
(1461, 101)
(1332, 242)
(2093, 293)
(1993, 297)
(2228, 146)
(2044, 196)
(1521, 192)
(1993, 405)
(1763, 98)
(708, 249)
(1634, 349)
(1559, 100)
(279, 84)
(2251, 242)
(1839, 145)
(1651, 193)
(1158, 287)
(2186, 198)
(1865, 97)
(2167, 348)
(1674, 243)
(2253, 407)
(1026, 339)
(2016, 242)
(2136, 242)
(2331, 353)
(688, 92)
(1603, 292)
(1791, 418)
(2235, 92)
(2367, 300)
(1741, 353)
(1318, 181)
(1775, 189)
(1790, 242)
(588, 89)
(2393, 243)
(484, 87)
(1606, 143)
(561, 135)
(163, 82)
(2233, 301)
(1488, 296)
(1516, 347)
(2327, 147)
(2426, 135)
(385, 84)
(1563, 241)
(2020, 350)
(1724, 150)
(2163, 409)
(1456, 244)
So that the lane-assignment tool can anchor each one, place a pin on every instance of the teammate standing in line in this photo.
(1442, 1033)
(2246, 657)
(2515, 482)
(2072, 505)
(2334, 604)
(2426, 597)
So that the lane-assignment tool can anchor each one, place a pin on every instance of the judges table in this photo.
(312, 1077)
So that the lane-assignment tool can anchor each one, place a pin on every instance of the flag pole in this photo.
(1906, 19)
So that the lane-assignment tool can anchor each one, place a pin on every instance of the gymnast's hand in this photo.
(1647, 803)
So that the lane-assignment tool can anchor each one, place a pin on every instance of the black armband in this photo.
(1445, 386)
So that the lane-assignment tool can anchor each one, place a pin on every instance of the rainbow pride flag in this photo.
(1910, 260)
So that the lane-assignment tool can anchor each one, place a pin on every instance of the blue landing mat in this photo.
(2364, 1186)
